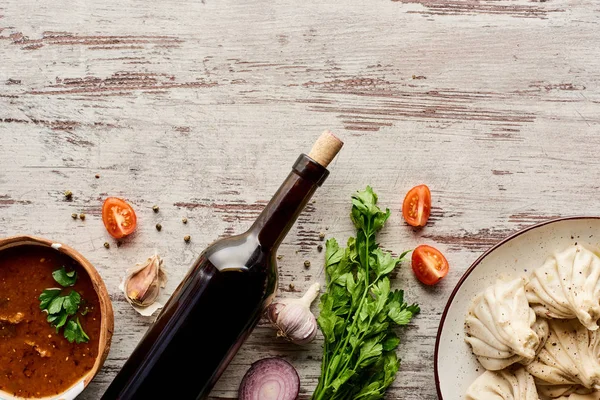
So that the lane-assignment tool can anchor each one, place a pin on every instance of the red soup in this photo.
(35, 360)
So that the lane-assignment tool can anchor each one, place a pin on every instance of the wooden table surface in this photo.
(201, 107)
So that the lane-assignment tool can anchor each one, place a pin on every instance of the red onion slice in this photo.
(270, 379)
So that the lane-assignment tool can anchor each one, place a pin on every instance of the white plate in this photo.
(455, 366)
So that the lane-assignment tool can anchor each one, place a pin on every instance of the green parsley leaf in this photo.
(65, 278)
(47, 296)
(62, 308)
(58, 320)
(74, 332)
(71, 302)
(359, 312)
(56, 305)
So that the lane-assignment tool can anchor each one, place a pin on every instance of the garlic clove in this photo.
(292, 317)
(143, 283)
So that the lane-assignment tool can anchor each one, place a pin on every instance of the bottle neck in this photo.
(278, 217)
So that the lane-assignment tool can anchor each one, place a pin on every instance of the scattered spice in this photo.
(279, 257)
(321, 236)
(319, 248)
(68, 194)
(97, 176)
(106, 245)
(184, 220)
(158, 227)
(187, 238)
(82, 216)
(155, 208)
(306, 264)
(74, 216)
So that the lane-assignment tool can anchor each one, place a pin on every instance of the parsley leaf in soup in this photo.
(71, 303)
(47, 296)
(58, 320)
(61, 308)
(65, 278)
(74, 332)
(56, 305)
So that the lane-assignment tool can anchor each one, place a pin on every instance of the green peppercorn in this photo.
(306, 264)
(187, 238)
(82, 216)
(74, 216)
(319, 248)
(184, 220)
(292, 287)
(106, 245)
(155, 208)
(321, 236)
(158, 227)
(68, 194)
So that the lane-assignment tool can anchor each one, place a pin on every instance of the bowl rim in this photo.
(471, 269)
(106, 309)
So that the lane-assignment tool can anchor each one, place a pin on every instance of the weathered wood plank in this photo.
(202, 107)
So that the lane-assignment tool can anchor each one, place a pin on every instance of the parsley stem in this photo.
(326, 384)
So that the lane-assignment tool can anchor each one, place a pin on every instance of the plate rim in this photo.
(468, 272)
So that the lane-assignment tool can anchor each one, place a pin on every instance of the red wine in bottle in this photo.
(221, 299)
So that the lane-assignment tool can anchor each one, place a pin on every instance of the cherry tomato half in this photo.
(417, 206)
(118, 217)
(429, 264)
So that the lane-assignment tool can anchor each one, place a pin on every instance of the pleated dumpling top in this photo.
(506, 384)
(567, 286)
(571, 356)
(501, 327)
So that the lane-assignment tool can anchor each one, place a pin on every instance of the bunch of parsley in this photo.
(359, 311)
(62, 308)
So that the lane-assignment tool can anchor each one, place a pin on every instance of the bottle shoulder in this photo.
(240, 252)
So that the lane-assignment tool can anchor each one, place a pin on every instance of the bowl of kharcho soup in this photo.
(56, 320)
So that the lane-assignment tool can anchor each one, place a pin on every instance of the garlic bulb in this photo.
(292, 317)
(143, 283)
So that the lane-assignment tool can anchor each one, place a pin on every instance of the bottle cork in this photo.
(325, 148)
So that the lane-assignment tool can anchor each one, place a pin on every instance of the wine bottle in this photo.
(221, 299)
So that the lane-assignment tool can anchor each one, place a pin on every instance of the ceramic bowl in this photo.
(455, 365)
(106, 312)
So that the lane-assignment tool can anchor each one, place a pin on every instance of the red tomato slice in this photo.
(118, 217)
(417, 206)
(429, 264)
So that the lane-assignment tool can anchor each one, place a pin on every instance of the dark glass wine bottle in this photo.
(220, 301)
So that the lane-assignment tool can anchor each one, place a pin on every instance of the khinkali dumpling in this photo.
(569, 357)
(503, 385)
(501, 327)
(567, 286)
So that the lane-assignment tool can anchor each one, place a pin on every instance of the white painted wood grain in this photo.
(201, 107)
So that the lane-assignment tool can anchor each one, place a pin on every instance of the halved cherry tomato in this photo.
(118, 217)
(417, 206)
(429, 265)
